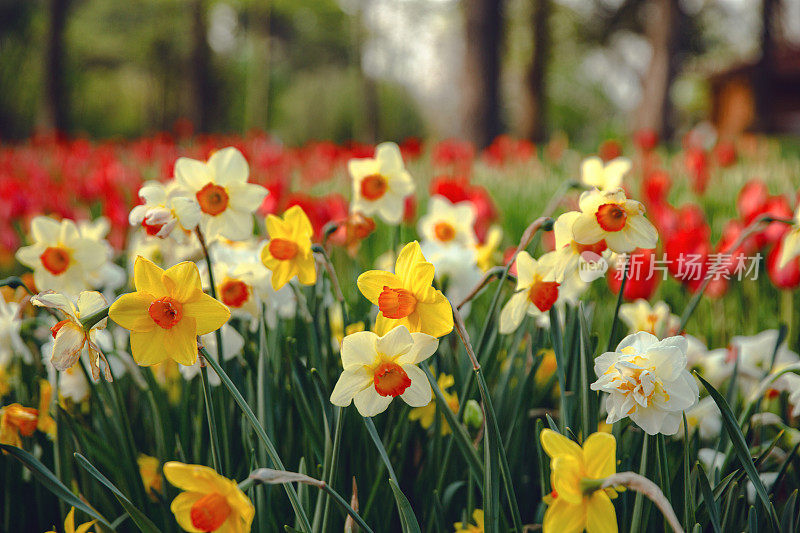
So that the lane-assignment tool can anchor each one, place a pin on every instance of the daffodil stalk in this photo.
(305, 525)
(639, 484)
(337, 290)
(212, 422)
(269, 476)
(747, 232)
(615, 319)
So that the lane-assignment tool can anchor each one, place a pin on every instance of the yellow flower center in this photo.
(282, 249)
(234, 293)
(373, 187)
(396, 303)
(611, 217)
(55, 259)
(444, 231)
(210, 512)
(213, 199)
(166, 312)
(391, 379)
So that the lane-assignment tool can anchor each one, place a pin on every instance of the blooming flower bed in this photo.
(227, 334)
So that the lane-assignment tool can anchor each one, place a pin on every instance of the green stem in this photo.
(212, 422)
(613, 335)
(638, 504)
(262, 436)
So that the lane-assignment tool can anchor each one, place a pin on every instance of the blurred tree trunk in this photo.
(481, 87)
(533, 115)
(257, 99)
(764, 69)
(56, 102)
(661, 29)
(200, 69)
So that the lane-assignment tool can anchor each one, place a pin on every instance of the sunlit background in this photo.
(387, 69)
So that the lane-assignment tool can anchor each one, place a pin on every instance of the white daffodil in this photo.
(711, 459)
(10, 342)
(705, 418)
(447, 223)
(62, 259)
(456, 269)
(165, 207)
(110, 276)
(755, 358)
(72, 383)
(656, 319)
(232, 344)
(71, 340)
(536, 291)
(791, 242)
(647, 380)
(234, 287)
(381, 184)
(569, 252)
(605, 177)
(610, 216)
(377, 369)
(220, 186)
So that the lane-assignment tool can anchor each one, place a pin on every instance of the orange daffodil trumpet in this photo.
(570, 507)
(569, 252)
(610, 216)
(288, 252)
(378, 369)
(166, 313)
(536, 292)
(647, 380)
(381, 184)
(407, 297)
(606, 177)
(70, 338)
(209, 502)
(447, 223)
(227, 201)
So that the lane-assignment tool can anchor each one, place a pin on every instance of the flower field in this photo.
(223, 333)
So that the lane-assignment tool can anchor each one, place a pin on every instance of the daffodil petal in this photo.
(566, 477)
(131, 311)
(181, 341)
(599, 455)
(181, 507)
(209, 314)
(372, 282)
(418, 394)
(297, 219)
(564, 517)
(370, 403)
(183, 281)
(600, 514)
(148, 347)
(351, 382)
(555, 444)
(193, 478)
(147, 277)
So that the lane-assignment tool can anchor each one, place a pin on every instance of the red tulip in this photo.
(643, 277)
(609, 149)
(646, 139)
(725, 153)
(786, 278)
(752, 197)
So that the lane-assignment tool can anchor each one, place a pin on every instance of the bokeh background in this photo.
(368, 70)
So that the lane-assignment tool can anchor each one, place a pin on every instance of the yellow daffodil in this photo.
(288, 252)
(69, 524)
(426, 415)
(209, 502)
(569, 508)
(791, 242)
(16, 420)
(477, 517)
(151, 476)
(547, 367)
(488, 252)
(166, 313)
(46, 423)
(609, 215)
(407, 297)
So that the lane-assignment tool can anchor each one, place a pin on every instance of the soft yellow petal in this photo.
(147, 277)
(148, 347)
(599, 455)
(183, 281)
(182, 507)
(282, 272)
(181, 341)
(131, 311)
(209, 314)
(555, 444)
(600, 514)
(566, 478)
(419, 278)
(83, 528)
(307, 270)
(563, 517)
(410, 255)
(195, 478)
(277, 228)
(69, 523)
(436, 319)
(297, 220)
(372, 282)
